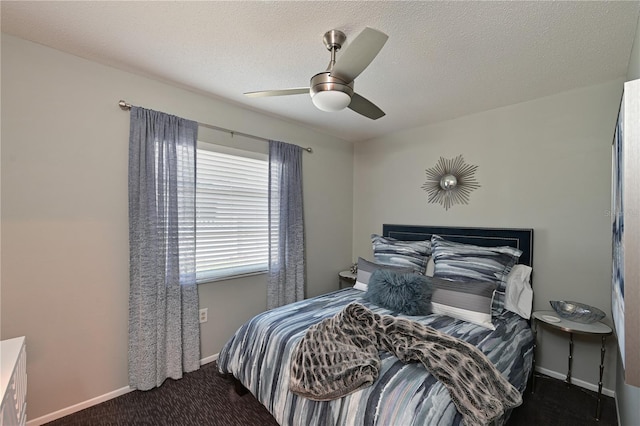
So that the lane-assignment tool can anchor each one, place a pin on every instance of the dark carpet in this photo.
(206, 398)
(558, 404)
(201, 398)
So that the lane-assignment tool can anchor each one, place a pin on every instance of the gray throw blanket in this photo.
(339, 355)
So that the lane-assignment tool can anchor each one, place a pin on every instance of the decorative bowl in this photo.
(578, 312)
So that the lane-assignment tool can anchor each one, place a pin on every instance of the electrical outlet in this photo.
(203, 314)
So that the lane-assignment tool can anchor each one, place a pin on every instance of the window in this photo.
(232, 232)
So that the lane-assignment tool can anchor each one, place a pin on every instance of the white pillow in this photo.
(519, 294)
(431, 266)
(360, 286)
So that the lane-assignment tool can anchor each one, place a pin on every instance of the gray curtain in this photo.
(286, 225)
(164, 333)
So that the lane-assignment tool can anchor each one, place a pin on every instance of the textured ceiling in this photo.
(442, 60)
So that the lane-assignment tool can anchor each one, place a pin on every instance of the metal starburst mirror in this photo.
(450, 182)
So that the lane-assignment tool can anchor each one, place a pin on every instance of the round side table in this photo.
(346, 279)
(553, 320)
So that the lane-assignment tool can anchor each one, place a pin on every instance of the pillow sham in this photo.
(389, 251)
(405, 293)
(471, 263)
(467, 301)
(519, 294)
(366, 268)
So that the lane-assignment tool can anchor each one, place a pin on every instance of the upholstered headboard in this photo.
(491, 237)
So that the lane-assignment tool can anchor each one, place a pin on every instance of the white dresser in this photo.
(13, 382)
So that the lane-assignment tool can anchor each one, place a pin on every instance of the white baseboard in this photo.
(77, 407)
(577, 382)
(209, 359)
(95, 401)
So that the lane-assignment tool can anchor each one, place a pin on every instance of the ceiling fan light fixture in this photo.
(331, 100)
(329, 93)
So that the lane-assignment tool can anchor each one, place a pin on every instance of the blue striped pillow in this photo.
(413, 254)
(471, 263)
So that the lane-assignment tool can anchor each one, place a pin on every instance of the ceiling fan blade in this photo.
(283, 92)
(365, 107)
(359, 54)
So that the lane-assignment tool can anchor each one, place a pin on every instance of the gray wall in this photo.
(65, 275)
(627, 397)
(544, 164)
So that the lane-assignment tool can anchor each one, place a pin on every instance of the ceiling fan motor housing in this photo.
(330, 93)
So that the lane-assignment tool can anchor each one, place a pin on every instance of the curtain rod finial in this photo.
(124, 105)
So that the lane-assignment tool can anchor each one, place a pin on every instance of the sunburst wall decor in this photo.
(450, 182)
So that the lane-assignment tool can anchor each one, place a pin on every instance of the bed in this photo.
(260, 352)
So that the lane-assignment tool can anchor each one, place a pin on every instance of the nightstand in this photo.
(551, 319)
(346, 279)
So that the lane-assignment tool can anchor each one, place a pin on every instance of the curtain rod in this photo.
(125, 107)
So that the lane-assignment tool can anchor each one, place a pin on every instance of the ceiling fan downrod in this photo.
(333, 40)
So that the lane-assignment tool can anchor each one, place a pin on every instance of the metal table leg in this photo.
(602, 352)
(535, 345)
(568, 380)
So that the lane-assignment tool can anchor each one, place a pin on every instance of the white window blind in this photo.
(231, 215)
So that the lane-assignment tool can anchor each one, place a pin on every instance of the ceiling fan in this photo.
(332, 90)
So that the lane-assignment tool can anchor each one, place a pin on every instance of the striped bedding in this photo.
(258, 355)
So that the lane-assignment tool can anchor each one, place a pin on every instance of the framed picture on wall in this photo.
(625, 231)
(617, 231)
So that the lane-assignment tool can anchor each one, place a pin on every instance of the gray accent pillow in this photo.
(405, 293)
(470, 263)
(413, 254)
(366, 268)
(467, 301)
